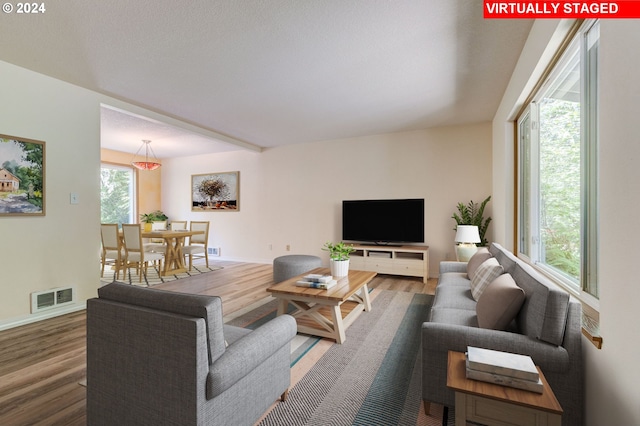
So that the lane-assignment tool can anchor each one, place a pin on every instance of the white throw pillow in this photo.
(488, 271)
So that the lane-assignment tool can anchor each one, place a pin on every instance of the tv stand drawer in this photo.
(412, 261)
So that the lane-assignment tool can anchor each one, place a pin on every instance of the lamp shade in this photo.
(146, 164)
(467, 234)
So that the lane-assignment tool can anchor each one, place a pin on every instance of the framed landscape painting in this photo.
(22, 177)
(215, 192)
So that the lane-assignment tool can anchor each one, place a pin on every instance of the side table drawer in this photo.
(489, 411)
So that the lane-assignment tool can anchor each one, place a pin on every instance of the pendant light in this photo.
(146, 164)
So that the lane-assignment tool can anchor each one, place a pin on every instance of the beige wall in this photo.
(292, 195)
(148, 183)
(60, 249)
(612, 373)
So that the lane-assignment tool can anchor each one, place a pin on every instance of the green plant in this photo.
(338, 251)
(472, 214)
(153, 217)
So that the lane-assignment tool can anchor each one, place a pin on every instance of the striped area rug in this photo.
(153, 276)
(373, 378)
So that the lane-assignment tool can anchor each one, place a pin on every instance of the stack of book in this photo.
(503, 368)
(323, 282)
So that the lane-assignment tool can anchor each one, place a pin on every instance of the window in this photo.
(117, 194)
(557, 167)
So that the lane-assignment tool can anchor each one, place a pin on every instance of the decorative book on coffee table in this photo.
(323, 282)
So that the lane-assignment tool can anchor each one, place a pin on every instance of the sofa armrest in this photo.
(248, 352)
(451, 266)
(439, 337)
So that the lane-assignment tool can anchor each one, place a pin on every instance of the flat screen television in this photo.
(383, 221)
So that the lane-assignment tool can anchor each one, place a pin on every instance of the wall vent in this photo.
(213, 251)
(53, 298)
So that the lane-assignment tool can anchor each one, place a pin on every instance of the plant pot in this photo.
(339, 268)
(147, 227)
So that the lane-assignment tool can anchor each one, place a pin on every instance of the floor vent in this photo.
(53, 298)
(213, 251)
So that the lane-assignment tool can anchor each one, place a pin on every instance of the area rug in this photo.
(373, 378)
(153, 276)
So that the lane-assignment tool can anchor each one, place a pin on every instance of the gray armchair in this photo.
(163, 358)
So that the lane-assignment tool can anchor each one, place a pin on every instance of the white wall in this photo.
(61, 248)
(612, 374)
(292, 195)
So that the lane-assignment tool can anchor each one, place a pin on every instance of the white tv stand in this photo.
(412, 261)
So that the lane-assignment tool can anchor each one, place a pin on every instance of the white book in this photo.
(511, 382)
(502, 363)
(322, 286)
(318, 278)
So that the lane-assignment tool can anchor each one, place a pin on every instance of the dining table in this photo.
(174, 240)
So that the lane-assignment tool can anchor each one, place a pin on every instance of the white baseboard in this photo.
(52, 313)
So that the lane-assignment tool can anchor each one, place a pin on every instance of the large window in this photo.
(117, 194)
(557, 148)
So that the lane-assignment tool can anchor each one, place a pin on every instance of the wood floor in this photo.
(41, 364)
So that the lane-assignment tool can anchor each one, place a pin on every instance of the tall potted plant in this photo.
(339, 258)
(473, 214)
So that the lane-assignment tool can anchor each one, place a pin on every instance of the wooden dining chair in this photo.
(178, 225)
(112, 250)
(156, 244)
(198, 244)
(135, 255)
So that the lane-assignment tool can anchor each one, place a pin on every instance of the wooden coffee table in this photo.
(325, 313)
(490, 404)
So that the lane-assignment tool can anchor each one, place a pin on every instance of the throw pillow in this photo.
(476, 260)
(488, 271)
(500, 303)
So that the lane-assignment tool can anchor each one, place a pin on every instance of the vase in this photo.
(339, 268)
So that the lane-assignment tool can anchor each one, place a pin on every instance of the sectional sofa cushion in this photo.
(544, 312)
(499, 303)
(207, 307)
(476, 260)
(488, 271)
(505, 257)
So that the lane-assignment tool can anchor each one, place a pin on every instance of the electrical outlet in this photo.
(288, 247)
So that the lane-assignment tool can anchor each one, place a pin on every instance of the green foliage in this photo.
(114, 196)
(560, 177)
(473, 214)
(153, 217)
(338, 251)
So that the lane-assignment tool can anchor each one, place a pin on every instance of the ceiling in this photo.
(264, 73)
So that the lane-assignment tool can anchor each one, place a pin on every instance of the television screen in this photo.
(383, 221)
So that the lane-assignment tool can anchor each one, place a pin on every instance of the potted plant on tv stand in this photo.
(339, 258)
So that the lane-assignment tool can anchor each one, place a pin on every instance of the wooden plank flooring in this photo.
(41, 364)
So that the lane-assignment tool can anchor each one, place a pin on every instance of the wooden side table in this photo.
(492, 404)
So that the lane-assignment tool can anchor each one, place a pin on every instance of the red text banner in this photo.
(561, 9)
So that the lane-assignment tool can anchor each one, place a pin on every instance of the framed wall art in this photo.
(215, 192)
(22, 177)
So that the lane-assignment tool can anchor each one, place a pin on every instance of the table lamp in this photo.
(466, 238)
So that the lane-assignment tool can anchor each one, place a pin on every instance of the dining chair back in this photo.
(178, 225)
(198, 244)
(112, 251)
(136, 256)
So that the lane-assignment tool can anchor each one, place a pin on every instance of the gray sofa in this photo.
(161, 358)
(546, 327)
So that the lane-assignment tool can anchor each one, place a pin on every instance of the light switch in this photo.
(74, 198)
